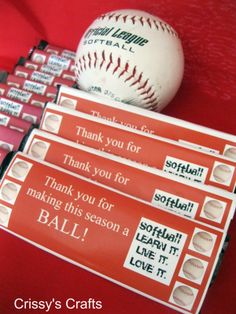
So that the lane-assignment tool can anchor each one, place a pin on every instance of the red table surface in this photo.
(207, 96)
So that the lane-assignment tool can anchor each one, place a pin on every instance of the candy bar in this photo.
(44, 45)
(203, 203)
(56, 71)
(140, 247)
(23, 95)
(151, 122)
(41, 77)
(31, 86)
(15, 123)
(19, 109)
(10, 140)
(42, 57)
(164, 154)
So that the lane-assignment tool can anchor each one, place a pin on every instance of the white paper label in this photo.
(204, 148)
(185, 169)
(42, 77)
(68, 54)
(10, 107)
(175, 203)
(155, 251)
(57, 61)
(19, 94)
(35, 87)
(4, 120)
(51, 70)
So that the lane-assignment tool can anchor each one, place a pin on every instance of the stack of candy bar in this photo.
(100, 178)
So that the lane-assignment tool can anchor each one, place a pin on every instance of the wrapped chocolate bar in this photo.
(42, 77)
(150, 122)
(155, 151)
(151, 251)
(197, 201)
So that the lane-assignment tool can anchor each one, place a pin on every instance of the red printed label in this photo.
(149, 249)
(148, 149)
(203, 203)
(151, 122)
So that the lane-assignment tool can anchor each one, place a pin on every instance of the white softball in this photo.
(193, 269)
(131, 56)
(183, 296)
(222, 173)
(52, 123)
(203, 242)
(20, 169)
(3, 214)
(230, 153)
(213, 209)
(9, 192)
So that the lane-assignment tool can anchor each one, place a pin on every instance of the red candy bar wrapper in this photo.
(65, 74)
(10, 139)
(151, 122)
(23, 95)
(3, 155)
(21, 110)
(150, 250)
(63, 52)
(31, 86)
(161, 153)
(41, 77)
(197, 201)
(15, 123)
(42, 57)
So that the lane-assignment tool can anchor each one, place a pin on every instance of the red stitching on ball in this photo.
(125, 69)
(160, 25)
(118, 65)
(186, 291)
(149, 98)
(141, 20)
(149, 22)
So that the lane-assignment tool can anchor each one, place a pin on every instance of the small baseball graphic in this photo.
(52, 123)
(13, 84)
(38, 59)
(3, 214)
(193, 269)
(67, 103)
(37, 104)
(20, 169)
(213, 209)
(28, 118)
(230, 153)
(203, 241)
(38, 149)
(222, 173)
(21, 74)
(68, 77)
(130, 56)
(183, 296)
(9, 192)
(31, 66)
(5, 147)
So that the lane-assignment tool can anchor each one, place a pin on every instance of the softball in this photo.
(131, 56)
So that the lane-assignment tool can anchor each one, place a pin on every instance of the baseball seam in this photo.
(159, 25)
(130, 75)
(179, 301)
(186, 272)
